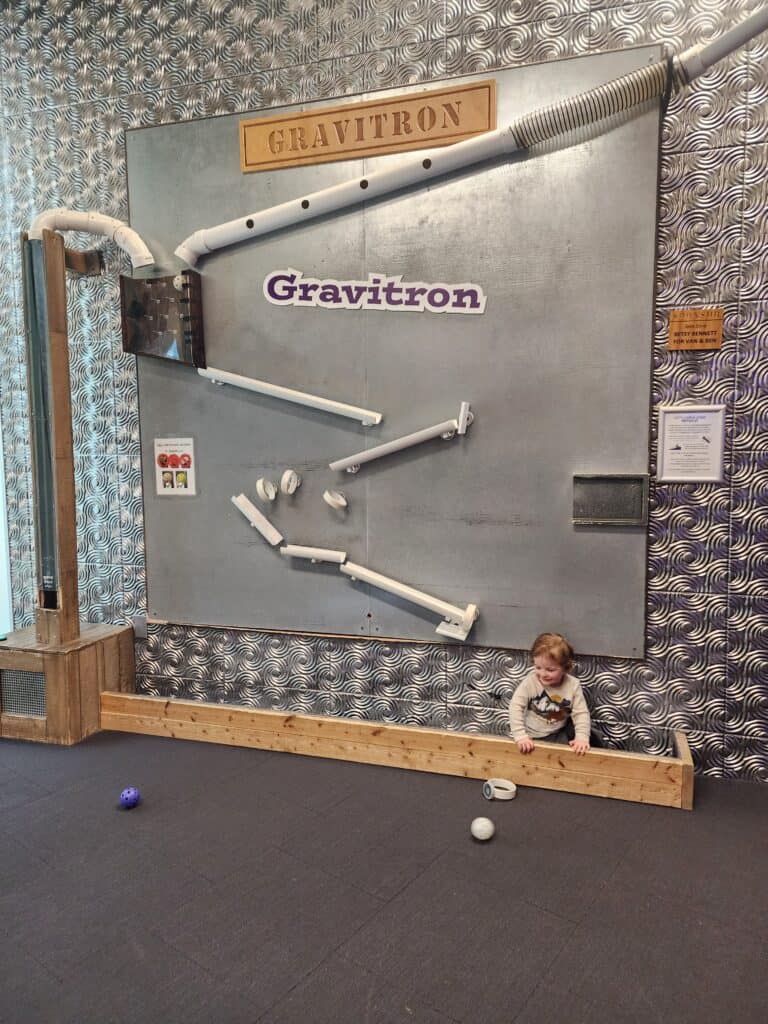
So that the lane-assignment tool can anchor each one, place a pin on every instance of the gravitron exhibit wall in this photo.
(74, 77)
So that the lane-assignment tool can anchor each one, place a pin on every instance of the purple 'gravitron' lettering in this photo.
(290, 287)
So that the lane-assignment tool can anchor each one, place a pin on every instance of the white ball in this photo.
(482, 828)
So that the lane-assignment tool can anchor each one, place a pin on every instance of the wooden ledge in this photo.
(642, 778)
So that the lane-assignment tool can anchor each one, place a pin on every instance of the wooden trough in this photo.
(642, 778)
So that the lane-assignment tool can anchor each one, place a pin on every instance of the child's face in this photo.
(548, 671)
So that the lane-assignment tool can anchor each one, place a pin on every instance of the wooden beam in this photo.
(61, 431)
(637, 777)
(683, 751)
(84, 263)
(22, 727)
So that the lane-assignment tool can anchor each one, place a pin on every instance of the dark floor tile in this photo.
(563, 875)
(452, 942)
(63, 931)
(279, 901)
(35, 1000)
(85, 822)
(143, 981)
(377, 845)
(642, 960)
(711, 861)
(18, 967)
(341, 993)
(316, 783)
(122, 759)
(64, 914)
(240, 822)
(7, 774)
(17, 792)
(17, 865)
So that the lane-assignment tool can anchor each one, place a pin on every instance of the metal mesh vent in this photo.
(22, 693)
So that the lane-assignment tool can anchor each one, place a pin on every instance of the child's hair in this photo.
(556, 646)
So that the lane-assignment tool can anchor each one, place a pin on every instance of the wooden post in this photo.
(683, 751)
(76, 663)
(68, 614)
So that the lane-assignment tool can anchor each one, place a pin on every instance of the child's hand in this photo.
(526, 745)
(579, 746)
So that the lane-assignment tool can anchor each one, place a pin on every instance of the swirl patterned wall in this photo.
(74, 75)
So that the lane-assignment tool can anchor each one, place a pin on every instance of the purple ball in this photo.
(130, 797)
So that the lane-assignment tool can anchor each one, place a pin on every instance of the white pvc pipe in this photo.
(692, 63)
(314, 554)
(450, 612)
(348, 193)
(62, 219)
(698, 59)
(257, 519)
(445, 429)
(366, 416)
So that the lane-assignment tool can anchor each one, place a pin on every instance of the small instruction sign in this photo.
(695, 329)
(175, 467)
(691, 442)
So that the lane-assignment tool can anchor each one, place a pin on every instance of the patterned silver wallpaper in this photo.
(74, 75)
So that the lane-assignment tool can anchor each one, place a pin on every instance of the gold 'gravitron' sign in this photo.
(411, 121)
(695, 329)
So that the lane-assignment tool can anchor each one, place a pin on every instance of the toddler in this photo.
(549, 703)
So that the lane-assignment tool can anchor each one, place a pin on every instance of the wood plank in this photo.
(21, 661)
(26, 639)
(127, 676)
(90, 671)
(616, 774)
(23, 727)
(684, 753)
(84, 263)
(109, 663)
(537, 776)
(61, 435)
(62, 698)
(323, 729)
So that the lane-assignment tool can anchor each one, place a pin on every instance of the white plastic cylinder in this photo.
(399, 443)
(62, 219)
(257, 519)
(434, 604)
(365, 416)
(313, 554)
(348, 193)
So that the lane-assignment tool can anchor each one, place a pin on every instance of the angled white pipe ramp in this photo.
(594, 105)
(457, 621)
(365, 416)
(313, 554)
(447, 429)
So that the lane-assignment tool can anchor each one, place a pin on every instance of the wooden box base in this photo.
(102, 658)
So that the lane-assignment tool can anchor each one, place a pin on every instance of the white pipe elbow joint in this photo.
(129, 241)
(192, 248)
(45, 221)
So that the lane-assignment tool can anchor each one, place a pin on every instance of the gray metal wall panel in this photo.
(558, 380)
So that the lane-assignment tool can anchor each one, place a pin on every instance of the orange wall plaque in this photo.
(695, 329)
(416, 120)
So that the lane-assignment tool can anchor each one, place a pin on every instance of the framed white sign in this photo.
(691, 441)
(175, 467)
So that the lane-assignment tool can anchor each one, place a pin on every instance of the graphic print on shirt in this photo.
(551, 709)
